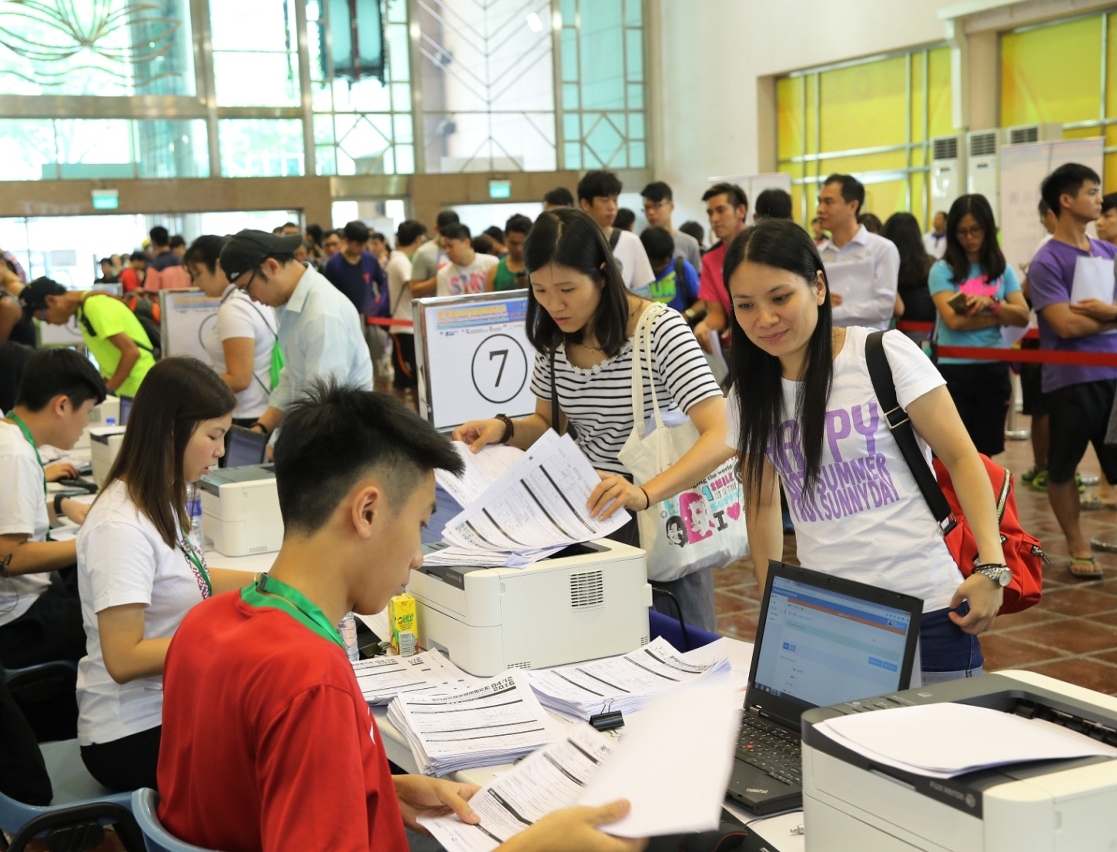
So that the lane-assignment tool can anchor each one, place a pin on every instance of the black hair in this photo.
(456, 232)
(758, 376)
(694, 229)
(734, 193)
(903, 230)
(518, 223)
(138, 255)
(569, 237)
(381, 436)
(871, 221)
(773, 204)
(495, 232)
(1108, 202)
(657, 191)
(939, 213)
(105, 260)
(624, 219)
(286, 225)
(851, 188)
(356, 231)
(159, 235)
(59, 372)
(483, 244)
(409, 231)
(560, 196)
(176, 241)
(205, 251)
(992, 260)
(1065, 180)
(315, 233)
(445, 219)
(377, 235)
(598, 184)
(1044, 208)
(658, 244)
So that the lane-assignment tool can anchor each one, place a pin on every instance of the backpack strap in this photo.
(84, 320)
(614, 238)
(554, 396)
(880, 372)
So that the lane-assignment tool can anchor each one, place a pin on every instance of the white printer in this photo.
(850, 803)
(104, 442)
(240, 510)
(590, 600)
(100, 415)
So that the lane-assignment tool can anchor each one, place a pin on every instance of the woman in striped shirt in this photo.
(580, 312)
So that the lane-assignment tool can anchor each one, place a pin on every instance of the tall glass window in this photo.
(261, 147)
(255, 52)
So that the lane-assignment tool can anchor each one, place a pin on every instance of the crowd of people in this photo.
(294, 356)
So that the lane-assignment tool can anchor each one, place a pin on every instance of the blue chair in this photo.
(76, 817)
(672, 630)
(145, 801)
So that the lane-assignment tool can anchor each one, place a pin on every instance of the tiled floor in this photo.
(1071, 634)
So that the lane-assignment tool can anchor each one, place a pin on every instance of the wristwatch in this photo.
(58, 498)
(999, 574)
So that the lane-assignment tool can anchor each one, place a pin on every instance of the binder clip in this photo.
(607, 720)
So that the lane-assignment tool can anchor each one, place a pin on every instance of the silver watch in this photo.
(999, 574)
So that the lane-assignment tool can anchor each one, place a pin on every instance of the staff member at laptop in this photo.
(580, 312)
(803, 408)
(320, 332)
(139, 571)
(241, 343)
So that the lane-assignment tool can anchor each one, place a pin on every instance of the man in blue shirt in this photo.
(357, 273)
(320, 331)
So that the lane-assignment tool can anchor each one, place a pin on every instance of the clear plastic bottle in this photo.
(194, 505)
(348, 630)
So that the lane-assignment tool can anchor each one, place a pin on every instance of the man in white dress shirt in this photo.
(320, 332)
(862, 268)
(934, 241)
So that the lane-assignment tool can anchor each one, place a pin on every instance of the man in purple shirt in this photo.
(1079, 397)
(357, 273)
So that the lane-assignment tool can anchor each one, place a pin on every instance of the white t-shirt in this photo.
(454, 280)
(399, 273)
(23, 511)
(868, 521)
(636, 270)
(239, 316)
(122, 559)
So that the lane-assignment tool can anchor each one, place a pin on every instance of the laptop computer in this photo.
(244, 447)
(822, 640)
(125, 409)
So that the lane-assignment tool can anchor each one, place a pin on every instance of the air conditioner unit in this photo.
(1025, 133)
(983, 168)
(948, 158)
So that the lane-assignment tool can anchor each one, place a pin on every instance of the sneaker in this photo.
(1039, 481)
(1030, 474)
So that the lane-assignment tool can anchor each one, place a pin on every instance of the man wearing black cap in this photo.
(320, 332)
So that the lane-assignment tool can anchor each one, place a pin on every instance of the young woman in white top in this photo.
(139, 570)
(240, 343)
(580, 312)
(804, 409)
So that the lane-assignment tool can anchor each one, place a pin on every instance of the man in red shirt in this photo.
(728, 209)
(267, 742)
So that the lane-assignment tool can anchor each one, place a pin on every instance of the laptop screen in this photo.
(244, 448)
(125, 409)
(823, 647)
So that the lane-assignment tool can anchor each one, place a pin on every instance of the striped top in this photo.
(598, 401)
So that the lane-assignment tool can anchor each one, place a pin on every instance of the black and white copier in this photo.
(851, 804)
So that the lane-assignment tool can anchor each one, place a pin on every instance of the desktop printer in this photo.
(587, 601)
(852, 803)
(105, 414)
(104, 442)
(240, 510)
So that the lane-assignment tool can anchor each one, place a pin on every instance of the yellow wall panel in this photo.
(864, 106)
(789, 115)
(918, 106)
(812, 113)
(1082, 133)
(940, 98)
(864, 163)
(886, 198)
(1110, 176)
(1052, 73)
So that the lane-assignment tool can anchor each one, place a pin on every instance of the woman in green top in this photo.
(510, 273)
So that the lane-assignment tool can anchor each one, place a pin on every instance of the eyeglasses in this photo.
(244, 287)
(975, 231)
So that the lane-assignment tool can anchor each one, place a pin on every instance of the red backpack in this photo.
(1023, 553)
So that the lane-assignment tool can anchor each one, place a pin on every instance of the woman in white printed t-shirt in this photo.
(139, 570)
(240, 343)
(804, 409)
(580, 313)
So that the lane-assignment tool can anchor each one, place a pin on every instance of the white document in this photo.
(672, 763)
(853, 281)
(1093, 279)
(481, 470)
(472, 557)
(539, 502)
(383, 678)
(1013, 334)
(945, 740)
(378, 624)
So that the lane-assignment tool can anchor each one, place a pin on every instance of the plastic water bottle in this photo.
(194, 506)
(348, 630)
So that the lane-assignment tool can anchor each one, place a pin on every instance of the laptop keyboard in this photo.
(771, 748)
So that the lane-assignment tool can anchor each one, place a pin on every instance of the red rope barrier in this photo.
(384, 321)
(1030, 356)
(928, 327)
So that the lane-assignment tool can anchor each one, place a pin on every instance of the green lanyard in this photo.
(16, 419)
(198, 564)
(267, 591)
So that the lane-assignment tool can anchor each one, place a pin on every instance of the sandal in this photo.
(1093, 503)
(1085, 568)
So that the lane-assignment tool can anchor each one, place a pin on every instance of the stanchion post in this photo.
(1012, 433)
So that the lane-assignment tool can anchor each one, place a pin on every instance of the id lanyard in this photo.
(197, 564)
(16, 419)
(267, 591)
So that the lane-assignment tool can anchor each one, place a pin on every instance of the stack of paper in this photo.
(383, 678)
(491, 724)
(928, 739)
(520, 509)
(622, 683)
(672, 763)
